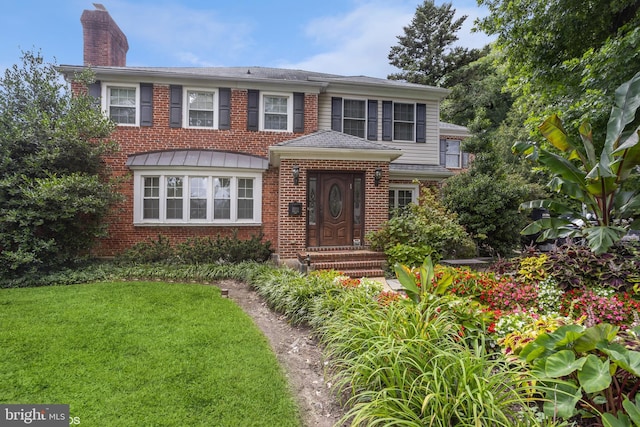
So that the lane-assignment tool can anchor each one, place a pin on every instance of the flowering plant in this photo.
(385, 298)
(600, 307)
(466, 282)
(549, 296)
(507, 295)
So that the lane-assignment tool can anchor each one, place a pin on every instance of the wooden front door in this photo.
(335, 215)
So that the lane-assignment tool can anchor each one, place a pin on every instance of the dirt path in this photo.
(297, 352)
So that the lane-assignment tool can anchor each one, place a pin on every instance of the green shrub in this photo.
(303, 298)
(404, 363)
(53, 195)
(428, 224)
(409, 255)
(199, 250)
(487, 206)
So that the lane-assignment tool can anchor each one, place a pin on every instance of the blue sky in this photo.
(349, 37)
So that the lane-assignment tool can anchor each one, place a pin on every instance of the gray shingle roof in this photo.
(423, 169)
(199, 158)
(445, 125)
(334, 140)
(259, 74)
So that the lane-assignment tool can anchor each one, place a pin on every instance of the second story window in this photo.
(121, 104)
(354, 117)
(200, 108)
(403, 122)
(276, 112)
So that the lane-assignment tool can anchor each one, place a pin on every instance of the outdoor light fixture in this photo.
(296, 174)
(377, 176)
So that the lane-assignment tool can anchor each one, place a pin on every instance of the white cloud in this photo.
(356, 43)
(359, 42)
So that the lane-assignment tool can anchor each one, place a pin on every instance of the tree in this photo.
(566, 55)
(424, 52)
(606, 210)
(486, 204)
(486, 198)
(53, 191)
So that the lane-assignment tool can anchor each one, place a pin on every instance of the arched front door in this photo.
(335, 212)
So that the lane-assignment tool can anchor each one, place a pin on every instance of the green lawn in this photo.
(134, 354)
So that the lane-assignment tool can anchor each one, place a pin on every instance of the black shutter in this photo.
(372, 120)
(336, 114)
(465, 159)
(421, 123)
(253, 109)
(146, 104)
(387, 120)
(443, 152)
(175, 106)
(224, 109)
(298, 112)
(95, 90)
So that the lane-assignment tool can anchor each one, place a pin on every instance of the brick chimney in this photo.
(104, 43)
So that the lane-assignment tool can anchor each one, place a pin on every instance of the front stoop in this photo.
(354, 262)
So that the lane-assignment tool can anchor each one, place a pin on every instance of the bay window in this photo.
(187, 197)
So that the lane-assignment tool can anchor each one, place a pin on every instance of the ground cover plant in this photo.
(459, 333)
(140, 353)
(386, 351)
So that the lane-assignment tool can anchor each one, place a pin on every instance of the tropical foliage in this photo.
(602, 211)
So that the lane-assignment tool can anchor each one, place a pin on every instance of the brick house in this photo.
(311, 160)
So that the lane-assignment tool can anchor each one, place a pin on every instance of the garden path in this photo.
(298, 353)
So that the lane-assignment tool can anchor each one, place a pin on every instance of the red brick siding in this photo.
(104, 43)
(292, 238)
(123, 234)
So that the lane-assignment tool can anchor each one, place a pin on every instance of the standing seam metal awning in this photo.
(197, 158)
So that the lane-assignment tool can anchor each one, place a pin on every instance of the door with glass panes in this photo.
(335, 209)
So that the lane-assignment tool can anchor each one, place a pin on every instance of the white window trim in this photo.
(459, 141)
(366, 115)
(185, 103)
(138, 193)
(105, 100)
(415, 189)
(393, 122)
(289, 97)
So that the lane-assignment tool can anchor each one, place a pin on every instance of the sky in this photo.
(347, 37)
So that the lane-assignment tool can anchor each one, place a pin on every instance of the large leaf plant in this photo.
(604, 211)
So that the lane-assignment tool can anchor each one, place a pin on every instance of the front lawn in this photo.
(141, 353)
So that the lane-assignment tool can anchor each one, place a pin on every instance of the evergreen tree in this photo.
(425, 53)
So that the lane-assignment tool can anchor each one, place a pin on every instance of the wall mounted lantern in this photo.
(377, 176)
(296, 174)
